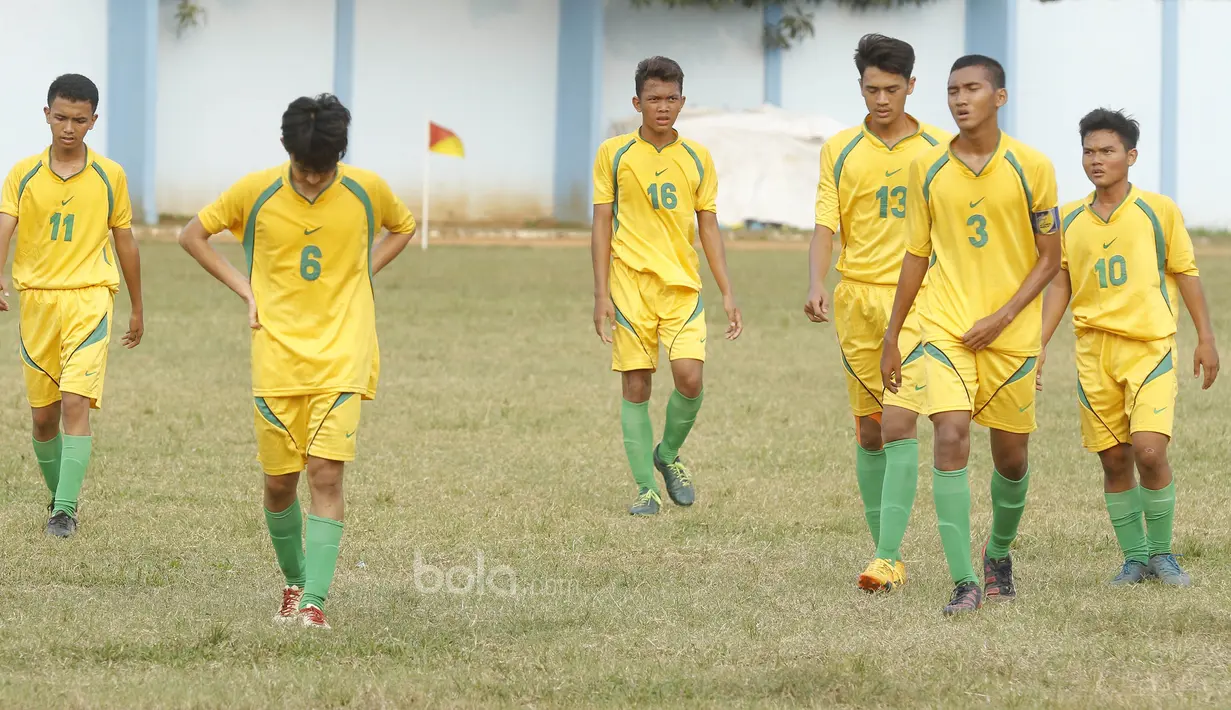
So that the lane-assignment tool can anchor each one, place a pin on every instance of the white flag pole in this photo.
(427, 176)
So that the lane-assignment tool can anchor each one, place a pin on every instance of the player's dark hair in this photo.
(660, 68)
(1104, 119)
(314, 131)
(73, 87)
(995, 71)
(890, 55)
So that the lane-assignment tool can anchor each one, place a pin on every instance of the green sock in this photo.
(897, 496)
(1008, 503)
(870, 473)
(951, 492)
(1125, 511)
(286, 532)
(323, 538)
(681, 414)
(48, 455)
(639, 442)
(1159, 508)
(74, 459)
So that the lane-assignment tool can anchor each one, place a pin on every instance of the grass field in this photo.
(496, 434)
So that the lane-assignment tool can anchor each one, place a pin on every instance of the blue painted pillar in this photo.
(130, 106)
(1169, 146)
(344, 52)
(773, 59)
(991, 30)
(579, 107)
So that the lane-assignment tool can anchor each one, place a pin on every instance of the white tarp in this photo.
(768, 160)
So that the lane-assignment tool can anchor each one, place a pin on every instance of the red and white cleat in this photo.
(313, 618)
(288, 613)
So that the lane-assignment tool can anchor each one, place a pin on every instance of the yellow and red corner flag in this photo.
(442, 140)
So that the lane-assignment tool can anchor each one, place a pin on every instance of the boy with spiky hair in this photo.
(1125, 254)
(653, 192)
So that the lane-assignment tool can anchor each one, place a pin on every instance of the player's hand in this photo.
(1038, 372)
(735, 321)
(136, 329)
(4, 292)
(891, 367)
(817, 307)
(1205, 357)
(604, 319)
(253, 322)
(985, 331)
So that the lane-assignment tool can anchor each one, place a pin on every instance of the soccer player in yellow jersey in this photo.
(653, 191)
(308, 228)
(984, 207)
(63, 203)
(1125, 254)
(862, 196)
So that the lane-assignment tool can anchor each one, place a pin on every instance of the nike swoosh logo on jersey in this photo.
(976, 204)
(1160, 411)
(350, 435)
(309, 231)
(67, 201)
(89, 374)
(1022, 409)
(660, 172)
(891, 174)
(1113, 241)
(917, 387)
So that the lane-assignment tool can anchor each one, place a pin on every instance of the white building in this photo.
(531, 85)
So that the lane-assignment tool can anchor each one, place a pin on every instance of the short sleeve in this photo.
(706, 199)
(1044, 207)
(918, 214)
(8, 198)
(827, 212)
(122, 213)
(604, 180)
(1180, 257)
(395, 216)
(227, 212)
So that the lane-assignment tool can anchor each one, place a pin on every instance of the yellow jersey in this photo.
(655, 196)
(64, 223)
(309, 263)
(981, 228)
(1123, 269)
(862, 197)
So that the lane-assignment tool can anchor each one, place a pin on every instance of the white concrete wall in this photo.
(27, 68)
(219, 109)
(1204, 105)
(818, 75)
(720, 51)
(1073, 57)
(485, 69)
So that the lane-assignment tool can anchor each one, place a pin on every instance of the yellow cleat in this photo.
(882, 576)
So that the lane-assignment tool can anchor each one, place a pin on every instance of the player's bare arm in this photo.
(987, 329)
(388, 248)
(1055, 303)
(820, 254)
(914, 270)
(600, 251)
(195, 240)
(1205, 356)
(8, 225)
(129, 256)
(716, 255)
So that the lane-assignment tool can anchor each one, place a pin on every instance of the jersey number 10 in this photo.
(1113, 270)
(67, 221)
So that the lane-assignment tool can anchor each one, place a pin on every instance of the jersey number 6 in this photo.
(979, 222)
(309, 267)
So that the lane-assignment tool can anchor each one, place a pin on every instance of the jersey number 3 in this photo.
(979, 222)
(65, 220)
(666, 192)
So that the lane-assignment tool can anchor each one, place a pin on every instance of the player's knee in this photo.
(636, 386)
(280, 491)
(689, 384)
(952, 440)
(896, 426)
(46, 422)
(76, 414)
(869, 434)
(325, 476)
(1151, 460)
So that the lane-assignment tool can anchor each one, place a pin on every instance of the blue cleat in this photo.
(1133, 572)
(1168, 570)
(677, 478)
(648, 502)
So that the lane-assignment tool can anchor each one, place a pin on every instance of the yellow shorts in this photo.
(649, 311)
(63, 342)
(1124, 386)
(290, 429)
(995, 387)
(861, 315)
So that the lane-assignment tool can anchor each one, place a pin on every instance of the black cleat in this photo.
(62, 525)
